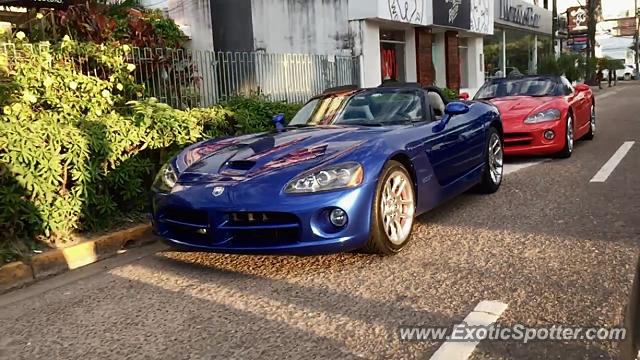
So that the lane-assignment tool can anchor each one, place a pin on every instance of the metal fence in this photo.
(196, 78)
(190, 78)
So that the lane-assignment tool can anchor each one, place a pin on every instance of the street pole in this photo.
(554, 27)
(635, 13)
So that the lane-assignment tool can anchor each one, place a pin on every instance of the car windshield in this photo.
(319, 111)
(536, 86)
(376, 107)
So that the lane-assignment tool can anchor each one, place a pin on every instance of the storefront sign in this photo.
(523, 15)
(519, 14)
(452, 13)
(577, 19)
(410, 11)
(475, 16)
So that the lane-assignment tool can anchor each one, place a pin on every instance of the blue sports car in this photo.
(350, 171)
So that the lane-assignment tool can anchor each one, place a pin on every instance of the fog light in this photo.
(338, 217)
(549, 134)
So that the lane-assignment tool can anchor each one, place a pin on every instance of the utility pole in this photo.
(636, 37)
(554, 27)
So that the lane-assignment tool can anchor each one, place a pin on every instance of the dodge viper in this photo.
(350, 171)
(542, 115)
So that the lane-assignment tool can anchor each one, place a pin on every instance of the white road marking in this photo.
(603, 174)
(511, 168)
(485, 314)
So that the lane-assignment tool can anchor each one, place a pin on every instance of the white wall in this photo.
(294, 26)
(475, 67)
(410, 61)
(193, 17)
(439, 59)
(366, 36)
(196, 16)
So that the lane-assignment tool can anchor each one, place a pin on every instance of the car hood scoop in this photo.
(248, 157)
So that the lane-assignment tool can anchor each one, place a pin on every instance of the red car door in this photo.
(577, 100)
(583, 96)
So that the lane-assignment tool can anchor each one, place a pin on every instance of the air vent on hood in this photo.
(240, 165)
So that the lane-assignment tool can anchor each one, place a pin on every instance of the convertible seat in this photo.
(436, 103)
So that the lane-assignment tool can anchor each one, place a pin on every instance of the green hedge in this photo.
(76, 152)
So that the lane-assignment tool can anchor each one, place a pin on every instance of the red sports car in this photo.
(541, 115)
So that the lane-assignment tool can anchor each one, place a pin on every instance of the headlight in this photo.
(547, 115)
(166, 179)
(345, 175)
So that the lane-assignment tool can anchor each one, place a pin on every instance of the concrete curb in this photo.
(57, 261)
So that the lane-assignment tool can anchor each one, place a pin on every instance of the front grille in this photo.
(517, 139)
(186, 216)
(248, 229)
(261, 218)
(237, 229)
(187, 225)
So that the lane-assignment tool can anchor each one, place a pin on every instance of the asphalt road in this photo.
(556, 248)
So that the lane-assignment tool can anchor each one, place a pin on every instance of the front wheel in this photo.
(592, 124)
(393, 210)
(493, 170)
(627, 77)
(568, 139)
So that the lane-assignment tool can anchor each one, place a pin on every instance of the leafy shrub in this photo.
(101, 23)
(254, 113)
(77, 150)
(574, 66)
(451, 94)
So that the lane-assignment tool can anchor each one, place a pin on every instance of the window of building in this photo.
(392, 54)
(463, 50)
(520, 52)
(493, 55)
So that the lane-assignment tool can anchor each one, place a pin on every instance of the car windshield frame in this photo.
(505, 87)
(369, 107)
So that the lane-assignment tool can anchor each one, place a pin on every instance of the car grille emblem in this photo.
(217, 191)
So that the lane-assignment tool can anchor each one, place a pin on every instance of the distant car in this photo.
(350, 171)
(628, 73)
(541, 115)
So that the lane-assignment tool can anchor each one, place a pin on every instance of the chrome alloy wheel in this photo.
(397, 206)
(570, 134)
(593, 119)
(496, 158)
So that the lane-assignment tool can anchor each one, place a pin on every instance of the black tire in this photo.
(567, 150)
(379, 242)
(490, 183)
(592, 124)
(627, 77)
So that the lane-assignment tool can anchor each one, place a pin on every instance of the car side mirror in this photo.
(456, 108)
(278, 121)
(582, 87)
(464, 96)
(452, 108)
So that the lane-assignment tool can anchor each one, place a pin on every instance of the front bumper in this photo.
(528, 139)
(193, 219)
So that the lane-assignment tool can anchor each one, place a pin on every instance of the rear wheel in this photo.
(627, 76)
(393, 211)
(592, 124)
(568, 139)
(492, 174)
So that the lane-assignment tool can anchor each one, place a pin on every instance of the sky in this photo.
(610, 8)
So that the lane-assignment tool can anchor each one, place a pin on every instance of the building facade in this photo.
(522, 35)
(435, 42)
(447, 43)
